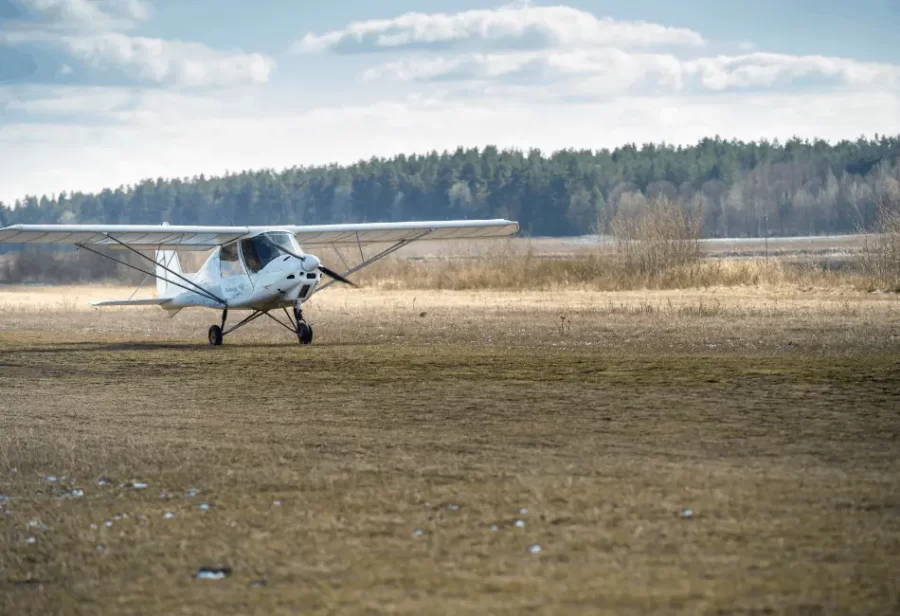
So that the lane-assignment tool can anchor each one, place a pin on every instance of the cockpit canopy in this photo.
(256, 252)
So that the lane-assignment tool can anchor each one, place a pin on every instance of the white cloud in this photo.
(82, 13)
(97, 15)
(519, 26)
(614, 71)
(767, 70)
(559, 52)
(164, 61)
(139, 10)
(23, 36)
(91, 34)
(72, 102)
(619, 70)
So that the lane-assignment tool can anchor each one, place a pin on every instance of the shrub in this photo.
(882, 257)
(657, 241)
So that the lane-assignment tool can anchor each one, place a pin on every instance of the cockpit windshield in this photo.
(261, 250)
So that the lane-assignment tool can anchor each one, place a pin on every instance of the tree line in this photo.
(796, 187)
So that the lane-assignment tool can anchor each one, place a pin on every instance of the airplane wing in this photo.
(135, 236)
(172, 237)
(381, 232)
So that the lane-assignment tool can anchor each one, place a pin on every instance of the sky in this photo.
(104, 93)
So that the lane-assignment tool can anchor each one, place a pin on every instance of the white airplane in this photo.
(257, 269)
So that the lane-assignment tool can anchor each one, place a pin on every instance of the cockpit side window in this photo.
(251, 255)
(229, 263)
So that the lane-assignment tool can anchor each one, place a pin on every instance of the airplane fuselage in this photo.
(282, 282)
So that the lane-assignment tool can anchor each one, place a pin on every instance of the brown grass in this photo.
(769, 412)
(603, 273)
(657, 247)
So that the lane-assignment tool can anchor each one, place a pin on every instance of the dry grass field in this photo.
(384, 468)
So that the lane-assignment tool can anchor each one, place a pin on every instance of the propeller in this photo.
(315, 259)
(335, 275)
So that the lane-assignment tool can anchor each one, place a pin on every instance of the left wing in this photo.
(166, 237)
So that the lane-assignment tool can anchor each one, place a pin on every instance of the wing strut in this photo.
(196, 286)
(381, 255)
(133, 293)
(260, 313)
(152, 274)
(256, 314)
(340, 256)
(362, 257)
(293, 330)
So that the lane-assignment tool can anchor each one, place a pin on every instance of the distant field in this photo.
(547, 246)
(384, 468)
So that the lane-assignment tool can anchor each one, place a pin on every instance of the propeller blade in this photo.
(336, 276)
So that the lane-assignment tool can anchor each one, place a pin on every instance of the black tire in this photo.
(304, 332)
(215, 335)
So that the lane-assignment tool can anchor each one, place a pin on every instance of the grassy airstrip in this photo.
(384, 469)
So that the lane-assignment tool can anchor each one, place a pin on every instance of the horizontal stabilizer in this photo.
(155, 301)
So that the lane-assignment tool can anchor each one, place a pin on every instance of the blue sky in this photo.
(97, 93)
(866, 29)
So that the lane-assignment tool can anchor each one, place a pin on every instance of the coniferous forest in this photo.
(798, 187)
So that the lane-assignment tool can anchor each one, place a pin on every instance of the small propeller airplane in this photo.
(256, 269)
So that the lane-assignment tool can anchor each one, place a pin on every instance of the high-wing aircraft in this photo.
(256, 269)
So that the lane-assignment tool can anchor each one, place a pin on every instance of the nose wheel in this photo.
(304, 329)
(304, 332)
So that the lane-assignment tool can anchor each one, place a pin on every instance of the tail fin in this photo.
(169, 259)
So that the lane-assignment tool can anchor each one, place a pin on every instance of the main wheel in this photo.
(304, 332)
(215, 335)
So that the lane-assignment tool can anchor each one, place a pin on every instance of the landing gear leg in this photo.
(216, 332)
(304, 329)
